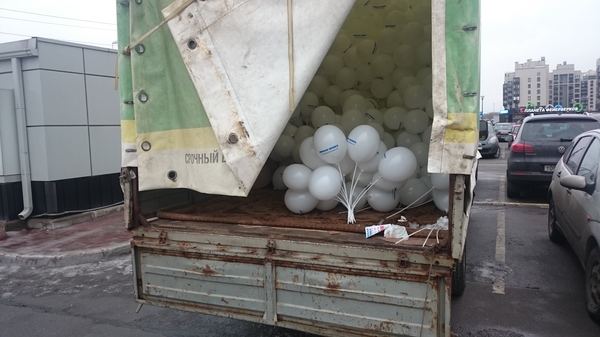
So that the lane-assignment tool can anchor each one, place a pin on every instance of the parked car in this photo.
(574, 210)
(488, 142)
(502, 130)
(513, 132)
(541, 141)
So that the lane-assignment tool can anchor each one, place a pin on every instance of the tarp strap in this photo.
(127, 50)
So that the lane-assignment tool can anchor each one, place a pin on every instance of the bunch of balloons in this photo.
(361, 132)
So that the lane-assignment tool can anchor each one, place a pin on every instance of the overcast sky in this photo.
(511, 31)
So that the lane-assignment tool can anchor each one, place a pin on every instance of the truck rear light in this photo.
(521, 148)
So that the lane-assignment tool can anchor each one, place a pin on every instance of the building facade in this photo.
(59, 128)
(533, 85)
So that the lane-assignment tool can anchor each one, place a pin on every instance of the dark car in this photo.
(488, 142)
(541, 141)
(513, 132)
(574, 209)
(502, 130)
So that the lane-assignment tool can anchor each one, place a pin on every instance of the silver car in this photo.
(574, 209)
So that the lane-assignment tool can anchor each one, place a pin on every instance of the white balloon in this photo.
(346, 78)
(300, 202)
(309, 155)
(318, 85)
(440, 181)
(383, 65)
(284, 146)
(404, 56)
(325, 183)
(355, 102)
(327, 205)
(332, 64)
(322, 115)
(347, 165)
(331, 95)
(330, 143)
(296, 177)
(364, 178)
(395, 99)
(365, 73)
(429, 108)
(414, 191)
(378, 127)
(351, 119)
(307, 104)
(415, 97)
(389, 140)
(381, 87)
(278, 183)
(397, 164)
(393, 117)
(381, 200)
(421, 152)
(441, 199)
(426, 135)
(384, 184)
(290, 130)
(363, 142)
(412, 33)
(303, 132)
(372, 165)
(406, 139)
(387, 39)
(374, 115)
(366, 50)
(351, 58)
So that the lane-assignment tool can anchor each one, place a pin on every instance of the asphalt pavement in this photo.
(68, 240)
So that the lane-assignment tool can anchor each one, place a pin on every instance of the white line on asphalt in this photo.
(498, 287)
(501, 192)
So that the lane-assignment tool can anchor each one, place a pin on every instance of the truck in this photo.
(217, 97)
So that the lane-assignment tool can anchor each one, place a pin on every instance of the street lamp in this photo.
(482, 106)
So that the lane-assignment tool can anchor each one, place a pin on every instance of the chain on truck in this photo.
(303, 164)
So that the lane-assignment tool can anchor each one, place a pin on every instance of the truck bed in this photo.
(264, 213)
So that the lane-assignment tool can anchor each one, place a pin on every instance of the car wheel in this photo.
(512, 190)
(553, 233)
(459, 276)
(592, 284)
(497, 153)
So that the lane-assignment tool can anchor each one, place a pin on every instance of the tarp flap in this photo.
(456, 69)
(236, 53)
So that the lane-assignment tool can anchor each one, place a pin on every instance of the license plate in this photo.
(548, 168)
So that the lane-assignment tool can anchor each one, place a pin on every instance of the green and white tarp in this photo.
(208, 86)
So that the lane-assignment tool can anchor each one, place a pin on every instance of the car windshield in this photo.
(503, 126)
(556, 130)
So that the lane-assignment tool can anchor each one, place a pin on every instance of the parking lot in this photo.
(518, 282)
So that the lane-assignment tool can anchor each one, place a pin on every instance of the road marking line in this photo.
(508, 203)
(502, 188)
(498, 287)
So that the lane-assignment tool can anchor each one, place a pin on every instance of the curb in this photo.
(70, 220)
(67, 259)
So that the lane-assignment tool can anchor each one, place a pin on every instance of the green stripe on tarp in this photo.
(463, 55)
(159, 71)
(124, 62)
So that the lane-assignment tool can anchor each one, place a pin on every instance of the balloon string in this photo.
(412, 203)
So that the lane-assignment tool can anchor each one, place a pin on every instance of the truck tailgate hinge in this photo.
(402, 260)
(162, 237)
(271, 247)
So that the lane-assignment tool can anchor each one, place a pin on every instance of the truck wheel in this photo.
(592, 284)
(459, 276)
(512, 190)
(553, 233)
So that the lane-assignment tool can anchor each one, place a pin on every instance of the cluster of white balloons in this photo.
(361, 132)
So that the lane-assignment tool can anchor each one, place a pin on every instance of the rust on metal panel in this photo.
(200, 256)
(206, 270)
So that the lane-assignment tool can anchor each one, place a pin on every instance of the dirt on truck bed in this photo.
(266, 208)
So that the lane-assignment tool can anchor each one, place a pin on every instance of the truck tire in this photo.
(592, 284)
(553, 233)
(459, 276)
